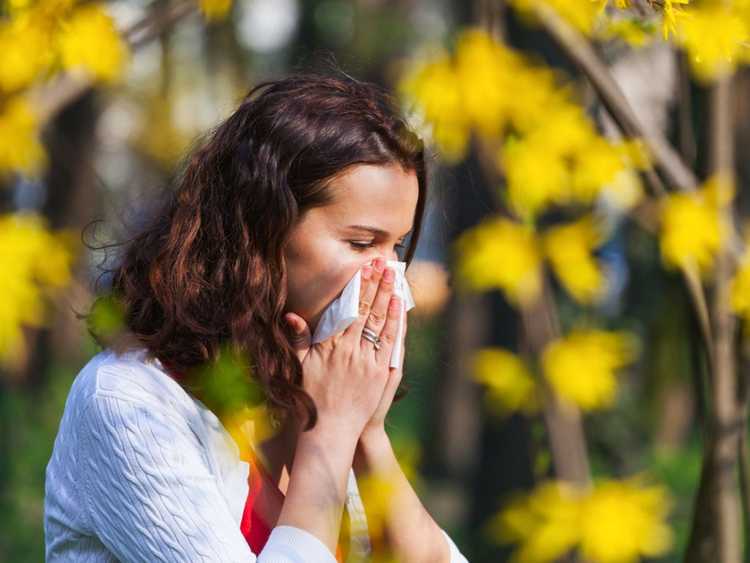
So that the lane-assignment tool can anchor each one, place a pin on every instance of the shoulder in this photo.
(130, 376)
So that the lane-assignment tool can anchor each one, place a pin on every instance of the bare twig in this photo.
(563, 422)
(719, 537)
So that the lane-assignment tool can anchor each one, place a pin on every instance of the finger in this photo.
(379, 311)
(388, 334)
(370, 277)
(299, 334)
(403, 344)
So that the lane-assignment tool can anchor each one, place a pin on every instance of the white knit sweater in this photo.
(142, 471)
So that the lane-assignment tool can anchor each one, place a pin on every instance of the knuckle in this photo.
(377, 317)
(364, 307)
(388, 336)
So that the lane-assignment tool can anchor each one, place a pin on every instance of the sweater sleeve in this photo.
(456, 555)
(150, 495)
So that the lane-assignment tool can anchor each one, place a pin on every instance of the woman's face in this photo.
(371, 213)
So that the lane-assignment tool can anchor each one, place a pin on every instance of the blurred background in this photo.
(100, 102)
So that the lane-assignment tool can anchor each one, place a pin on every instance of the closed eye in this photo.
(358, 245)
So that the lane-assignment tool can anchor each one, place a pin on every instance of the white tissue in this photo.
(344, 310)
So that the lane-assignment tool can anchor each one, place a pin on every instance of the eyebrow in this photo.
(375, 230)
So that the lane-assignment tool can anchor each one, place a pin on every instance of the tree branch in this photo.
(50, 98)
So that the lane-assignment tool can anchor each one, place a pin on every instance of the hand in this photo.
(345, 375)
(376, 424)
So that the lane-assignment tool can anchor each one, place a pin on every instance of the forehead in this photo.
(384, 196)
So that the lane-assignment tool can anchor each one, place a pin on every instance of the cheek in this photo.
(332, 279)
(317, 277)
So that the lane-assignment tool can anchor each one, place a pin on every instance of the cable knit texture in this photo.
(142, 471)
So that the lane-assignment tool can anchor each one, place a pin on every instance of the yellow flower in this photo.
(36, 262)
(740, 285)
(503, 254)
(20, 149)
(27, 52)
(673, 14)
(610, 522)
(622, 521)
(569, 249)
(692, 229)
(510, 385)
(632, 31)
(215, 9)
(544, 523)
(581, 14)
(581, 366)
(434, 86)
(595, 165)
(716, 40)
(535, 178)
(561, 160)
(89, 41)
(740, 290)
(482, 66)
(248, 427)
(377, 490)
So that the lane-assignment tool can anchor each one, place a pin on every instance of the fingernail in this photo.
(388, 276)
(394, 303)
(378, 264)
(366, 272)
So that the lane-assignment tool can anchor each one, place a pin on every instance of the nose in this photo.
(393, 255)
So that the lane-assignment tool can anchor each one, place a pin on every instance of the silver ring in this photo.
(368, 334)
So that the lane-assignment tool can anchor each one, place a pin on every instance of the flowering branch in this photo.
(52, 97)
(665, 157)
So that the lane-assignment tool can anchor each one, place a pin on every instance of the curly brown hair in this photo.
(208, 268)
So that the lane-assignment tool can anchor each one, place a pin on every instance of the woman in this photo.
(303, 186)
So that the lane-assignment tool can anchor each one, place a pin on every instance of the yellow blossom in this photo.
(500, 253)
(569, 249)
(36, 262)
(581, 14)
(595, 165)
(510, 385)
(610, 522)
(377, 490)
(622, 521)
(740, 285)
(562, 160)
(634, 32)
(434, 86)
(716, 40)
(535, 178)
(215, 9)
(740, 290)
(581, 366)
(20, 148)
(692, 230)
(482, 74)
(544, 523)
(248, 427)
(538, 165)
(534, 87)
(672, 15)
(27, 52)
(89, 41)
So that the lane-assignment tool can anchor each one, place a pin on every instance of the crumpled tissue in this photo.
(344, 310)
